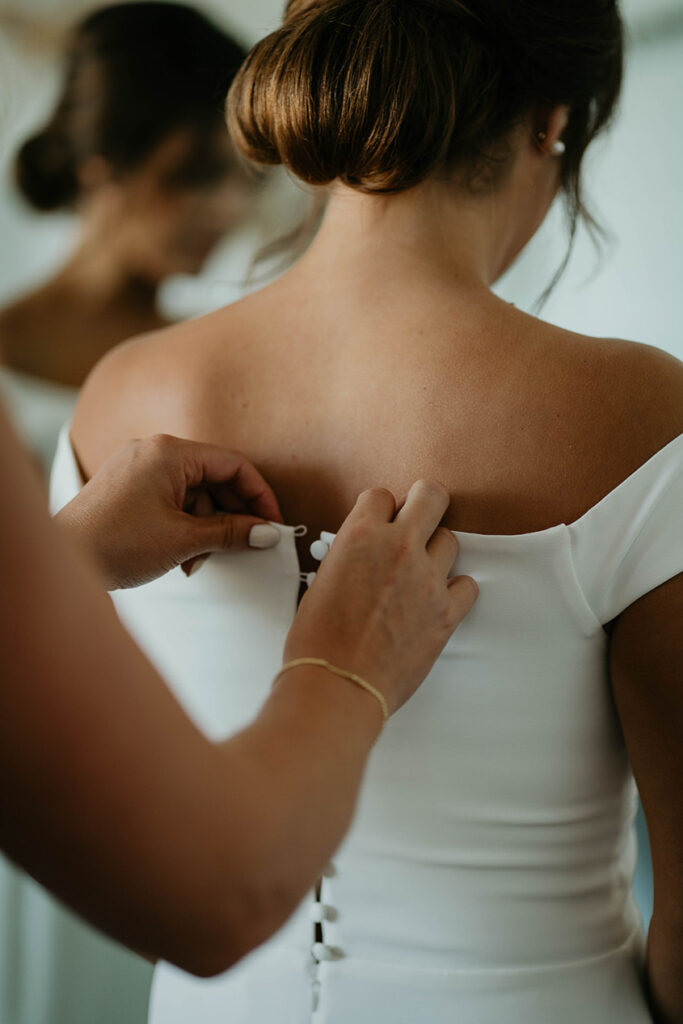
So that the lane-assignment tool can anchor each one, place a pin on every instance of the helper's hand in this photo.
(381, 604)
(163, 502)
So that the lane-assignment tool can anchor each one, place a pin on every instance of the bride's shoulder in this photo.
(632, 371)
(630, 391)
(146, 386)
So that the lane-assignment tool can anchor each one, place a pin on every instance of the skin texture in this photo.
(383, 356)
(135, 232)
(134, 818)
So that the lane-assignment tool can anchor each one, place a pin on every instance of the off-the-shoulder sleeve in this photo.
(65, 480)
(632, 540)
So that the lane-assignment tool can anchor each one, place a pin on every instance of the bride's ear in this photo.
(549, 130)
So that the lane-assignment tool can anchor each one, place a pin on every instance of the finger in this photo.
(226, 500)
(224, 532)
(193, 565)
(425, 507)
(443, 549)
(198, 503)
(210, 465)
(463, 592)
(401, 502)
(376, 503)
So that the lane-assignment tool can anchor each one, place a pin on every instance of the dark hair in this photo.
(136, 72)
(380, 94)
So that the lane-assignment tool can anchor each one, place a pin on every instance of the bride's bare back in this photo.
(526, 424)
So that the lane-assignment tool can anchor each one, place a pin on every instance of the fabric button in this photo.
(322, 912)
(321, 951)
(319, 549)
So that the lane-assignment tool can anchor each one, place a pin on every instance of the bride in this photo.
(488, 875)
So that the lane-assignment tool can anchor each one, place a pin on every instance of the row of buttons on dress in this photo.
(319, 549)
(322, 913)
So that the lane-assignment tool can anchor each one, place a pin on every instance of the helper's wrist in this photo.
(80, 529)
(329, 697)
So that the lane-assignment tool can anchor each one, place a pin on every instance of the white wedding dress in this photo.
(487, 876)
(38, 409)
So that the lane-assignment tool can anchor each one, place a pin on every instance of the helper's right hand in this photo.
(381, 604)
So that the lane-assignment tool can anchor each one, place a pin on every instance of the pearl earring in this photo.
(558, 147)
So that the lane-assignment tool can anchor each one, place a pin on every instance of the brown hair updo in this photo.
(380, 94)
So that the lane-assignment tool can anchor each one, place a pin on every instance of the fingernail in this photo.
(197, 565)
(264, 536)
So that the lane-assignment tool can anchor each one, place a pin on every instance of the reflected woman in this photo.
(137, 148)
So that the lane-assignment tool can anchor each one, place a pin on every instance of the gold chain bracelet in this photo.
(343, 674)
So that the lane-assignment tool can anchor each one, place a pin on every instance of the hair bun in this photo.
(381, 94)
(375, 94)
(45, 172)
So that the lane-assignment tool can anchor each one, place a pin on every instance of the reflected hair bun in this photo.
(46, 172)
(136, 73)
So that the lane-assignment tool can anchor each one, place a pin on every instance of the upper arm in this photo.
(641, 393)
(646, 638)
(646, 668)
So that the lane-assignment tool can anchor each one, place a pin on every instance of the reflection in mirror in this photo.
(135, 152)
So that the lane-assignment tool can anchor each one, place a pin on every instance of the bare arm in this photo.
(646, 665)
(192, 851)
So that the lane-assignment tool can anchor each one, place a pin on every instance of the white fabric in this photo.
(487, 876)
(39, 409)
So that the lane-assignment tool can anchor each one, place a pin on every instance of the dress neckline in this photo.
(620, 488)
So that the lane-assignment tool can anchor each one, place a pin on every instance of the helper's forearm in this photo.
(189, 850)
(253, 829)
(300, 768)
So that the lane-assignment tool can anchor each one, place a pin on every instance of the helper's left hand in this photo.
(163, 502)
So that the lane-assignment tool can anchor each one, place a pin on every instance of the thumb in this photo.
(226, 531)
(463, 592)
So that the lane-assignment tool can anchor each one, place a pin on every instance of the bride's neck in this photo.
(430, 234)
